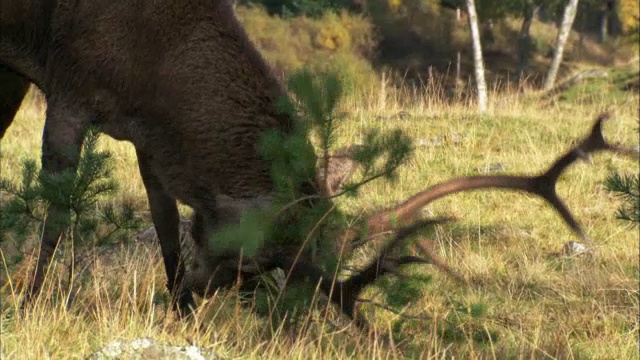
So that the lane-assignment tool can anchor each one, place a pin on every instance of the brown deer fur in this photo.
(177, 78)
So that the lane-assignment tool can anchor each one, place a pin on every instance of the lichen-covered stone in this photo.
(147, 348)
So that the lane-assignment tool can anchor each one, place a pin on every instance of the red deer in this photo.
(181, 81)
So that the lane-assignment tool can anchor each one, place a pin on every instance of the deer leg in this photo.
(13, 88)
(64, 130)
(164, 213)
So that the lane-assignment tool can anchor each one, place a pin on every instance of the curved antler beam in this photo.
(543, 185)
(345, 293)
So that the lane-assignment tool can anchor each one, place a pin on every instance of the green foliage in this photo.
(312, 221)
(22, 208)
(286, 308)
(629, 17)
(293, 165)
(25, 205)
(612, 88)
(401, 292)
(316, 112)
(410, 38)
(394, 146)
(250, 236)
(627, 187)
(461, 324)
(464, 321)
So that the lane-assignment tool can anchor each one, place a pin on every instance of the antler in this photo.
(345, 293)
(543, 185)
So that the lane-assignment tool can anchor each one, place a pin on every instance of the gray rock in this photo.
(450, 138)
(431, 141)
(147, 348)
(455, 137)
(572, 248)
(400, 115)
(492, 168)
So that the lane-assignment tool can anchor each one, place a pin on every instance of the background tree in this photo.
(477, 56)
(563, 35)
(607, 13)
(529, 10)
(501, 9)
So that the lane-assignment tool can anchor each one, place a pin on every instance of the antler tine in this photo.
(593, 143)
(348, 290)
(543, 185)
(345, 293)
(596, 133)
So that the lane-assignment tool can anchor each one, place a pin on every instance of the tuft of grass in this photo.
(612, 88)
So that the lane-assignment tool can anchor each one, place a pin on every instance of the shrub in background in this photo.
(332, 41)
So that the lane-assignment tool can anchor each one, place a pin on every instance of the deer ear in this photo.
(341, 167)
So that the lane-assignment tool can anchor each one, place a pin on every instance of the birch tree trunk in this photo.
(563, 35)
(477, 56)
(610, 21)
(604, 25)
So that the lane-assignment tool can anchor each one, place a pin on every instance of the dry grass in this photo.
(540, 305)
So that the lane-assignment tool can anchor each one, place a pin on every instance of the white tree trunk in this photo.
(604, 26)
(458, 67)
(477, 56)
(563, 35)
(529, 12)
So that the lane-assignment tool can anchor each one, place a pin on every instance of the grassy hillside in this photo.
(540, 304)
(419, 43)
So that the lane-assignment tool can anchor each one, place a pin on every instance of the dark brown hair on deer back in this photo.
(202, 92)
(178, 78)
